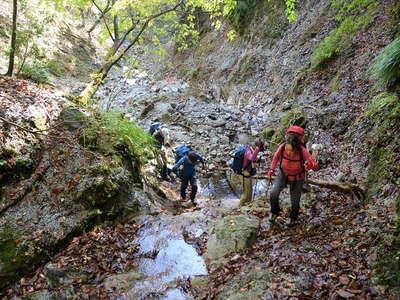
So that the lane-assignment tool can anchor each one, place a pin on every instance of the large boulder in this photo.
(252, 283)
(231, 234)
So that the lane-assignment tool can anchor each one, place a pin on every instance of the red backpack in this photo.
(299, 133)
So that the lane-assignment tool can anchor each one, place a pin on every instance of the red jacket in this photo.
(293, 165)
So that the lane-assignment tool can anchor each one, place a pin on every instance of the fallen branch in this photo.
(350, 189)
(33, 131)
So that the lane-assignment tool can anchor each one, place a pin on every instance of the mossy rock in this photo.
(17, 256)
(40, 122)
(147, 109)
(166, 117)
(72, 118)
(231, 234)
(58, 277)
(99, 192)
(253, 284)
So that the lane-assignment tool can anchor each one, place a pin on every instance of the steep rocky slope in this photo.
(318, 65)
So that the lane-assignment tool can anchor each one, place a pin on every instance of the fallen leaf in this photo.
(344, 294)
(344, 280)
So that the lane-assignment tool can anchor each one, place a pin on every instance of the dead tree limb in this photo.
(345, 188)
(350, 189)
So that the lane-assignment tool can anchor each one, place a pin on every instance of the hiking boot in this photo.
(292, 223)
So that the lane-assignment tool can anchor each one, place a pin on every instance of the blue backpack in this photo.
(154, 127)
(238, 159)
(180, 152)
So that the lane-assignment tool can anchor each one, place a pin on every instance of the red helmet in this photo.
(296, 130)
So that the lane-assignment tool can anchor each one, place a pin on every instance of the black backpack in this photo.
(238, 161)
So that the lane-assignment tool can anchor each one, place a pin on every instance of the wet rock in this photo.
(218, 123)
(232, 233)
(126, 280)
(57, 277)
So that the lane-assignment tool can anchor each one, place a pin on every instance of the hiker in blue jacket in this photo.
(187, 165)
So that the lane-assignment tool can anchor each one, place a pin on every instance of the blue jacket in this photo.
(189, 170)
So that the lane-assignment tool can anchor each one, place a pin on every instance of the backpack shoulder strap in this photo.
(281, 153)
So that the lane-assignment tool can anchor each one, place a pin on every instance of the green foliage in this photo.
(387, 104)
(241, 15)
(353, 15)
(383, 115)
(110, 132)
(385, 70)
(35, 72)
(388, 265)
(55, 68)
(290, 10)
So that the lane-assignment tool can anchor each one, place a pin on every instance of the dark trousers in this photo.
(280, 183)
(184, 185)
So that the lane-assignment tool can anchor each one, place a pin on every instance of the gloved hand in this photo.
(174, 170)
(270, 173)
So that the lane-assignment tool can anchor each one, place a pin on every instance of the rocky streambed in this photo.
(217, 249)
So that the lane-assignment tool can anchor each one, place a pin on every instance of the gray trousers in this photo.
(280, 183)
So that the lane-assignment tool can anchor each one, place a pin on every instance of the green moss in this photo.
(290, 118)
(335, 84)
(17, 256)
(353, 15)
(99, 193)
(387, 104)
(297, 86)
(379, 169)
(147, 109)
(268, 133)
(394, 21)
(387, 268)
(40, 123)
(166, 117)
(383, 114)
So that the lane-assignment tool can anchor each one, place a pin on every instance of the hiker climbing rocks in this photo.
(187, 173)
(161, 136)
(243, 164)
(292, 160)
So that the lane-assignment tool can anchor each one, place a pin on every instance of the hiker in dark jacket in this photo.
(187, 167)
(293, 159)
(161, 136)
(248, 170)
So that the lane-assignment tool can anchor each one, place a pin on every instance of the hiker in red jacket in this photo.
(293, 160)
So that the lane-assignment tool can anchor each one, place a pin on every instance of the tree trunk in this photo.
(116, 29)
(13, 40)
